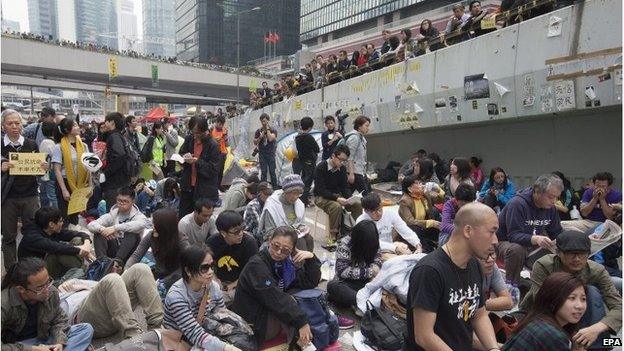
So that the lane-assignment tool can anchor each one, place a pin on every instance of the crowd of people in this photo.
(237, 270)
(397, 47)
(104, 49)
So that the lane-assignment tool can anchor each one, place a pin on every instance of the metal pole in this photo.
(32, 103)
(237, 59)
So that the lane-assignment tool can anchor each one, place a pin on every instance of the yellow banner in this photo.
(78, 200)
(488, 23)
(27, 163)
(112, 67)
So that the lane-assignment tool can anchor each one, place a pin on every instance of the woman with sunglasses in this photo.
(262, 296)
(184, 300)
(559, 306)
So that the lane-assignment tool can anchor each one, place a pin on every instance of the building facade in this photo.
(127, 26)
(199, 30)
(43, 18)
(159, 27)
(96, 22)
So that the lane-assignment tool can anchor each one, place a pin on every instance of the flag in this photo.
(276, 37)
(272, 37)
(112, 67)
(267, 37)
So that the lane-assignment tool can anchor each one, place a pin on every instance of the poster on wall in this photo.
(476, 87)
(528, 90)
(564, 95)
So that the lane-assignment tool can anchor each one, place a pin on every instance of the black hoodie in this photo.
(307, 148)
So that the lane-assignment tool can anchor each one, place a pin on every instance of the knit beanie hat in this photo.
(292, 182)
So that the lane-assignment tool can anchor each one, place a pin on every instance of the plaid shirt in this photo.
(252, 219)
(538, 335)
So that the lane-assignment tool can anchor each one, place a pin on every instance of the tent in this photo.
(156, 114)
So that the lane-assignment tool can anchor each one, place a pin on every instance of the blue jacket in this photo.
(520, 219)
(510, 191)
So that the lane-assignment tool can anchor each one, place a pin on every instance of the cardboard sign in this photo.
(27, 163)
(488, 23)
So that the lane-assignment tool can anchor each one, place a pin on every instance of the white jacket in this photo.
(393, 277)
(391, 220)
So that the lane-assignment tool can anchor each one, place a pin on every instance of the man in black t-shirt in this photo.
(307, 153)
(231, 249)
(445, 289)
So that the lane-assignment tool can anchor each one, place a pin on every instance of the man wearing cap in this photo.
(254, 208)
(284, 208)
(573, 249)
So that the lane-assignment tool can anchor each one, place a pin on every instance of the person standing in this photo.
(445, 301)
(131, 133)
(34, 131)
(265, 141)
(199, 170)
(115, 171)
(356, 142)
(307, 153)
(330, 137)
(171, 143)
(219, 133)
(19, 192)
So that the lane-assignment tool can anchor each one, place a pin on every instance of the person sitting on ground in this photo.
(145, 192)
(238, 195)
(494, 284)
(529, 220)
(330, 137)
(459, 173)
(424, 171)
(307, 154)
(331, 191)
(358, 260)
(108, 305)
(197, 226)
(117, 233)
(464, 194)
(408, 167)
(445, 301)
(553, 320)
(231, 249)
(439, 166)
(497, 189)
(32, 318)
(196, 291)
(166, 244)
(568, 198)
(284, 208)
(387, 222)
(573, 249)
(254, 208)
(262, 295)
(167, 194)
(417, 212)
(476, 174)
(597, 204)
(62, 249)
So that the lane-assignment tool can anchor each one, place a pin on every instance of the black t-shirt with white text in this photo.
(230, 259)
(437, 285)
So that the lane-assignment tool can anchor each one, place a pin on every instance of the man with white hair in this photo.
(529, 220)
(20, 197)
(445, 301)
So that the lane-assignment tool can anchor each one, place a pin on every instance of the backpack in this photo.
(99, 268)
(323, 322)
(343, 141)
(382, 329)
(146, 151)
(132, 167)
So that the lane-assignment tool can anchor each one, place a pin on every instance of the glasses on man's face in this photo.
(491, 257)
(576, 254)
(123, 201)
(281, 250)
(236, 231)
(42, 288)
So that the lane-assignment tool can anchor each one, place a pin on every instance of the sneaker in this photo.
(345, 322)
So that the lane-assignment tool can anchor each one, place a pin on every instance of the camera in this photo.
(341, 117)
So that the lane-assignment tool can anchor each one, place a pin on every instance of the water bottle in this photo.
(325, 267)
(332, 265)
(574, 213)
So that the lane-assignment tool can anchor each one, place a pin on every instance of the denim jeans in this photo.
(596, 310)
(267, 167)
(78, 338)
(47, 193)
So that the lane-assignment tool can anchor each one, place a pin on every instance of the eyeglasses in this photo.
(576, 254)
(491, 257)
(42, 288)
(236, 231)
(204, 268)
(280, 250)
(122, 201)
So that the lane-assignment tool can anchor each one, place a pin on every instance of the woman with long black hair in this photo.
(497, 190)
(358, 260)
(459, 173)
(559, 306)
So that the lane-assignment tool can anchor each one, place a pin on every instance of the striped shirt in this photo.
(181, 309)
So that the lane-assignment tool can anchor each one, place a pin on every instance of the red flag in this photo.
(271, 37)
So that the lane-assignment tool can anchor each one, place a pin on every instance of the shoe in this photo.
(345, 322)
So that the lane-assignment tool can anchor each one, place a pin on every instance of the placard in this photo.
(27, 163)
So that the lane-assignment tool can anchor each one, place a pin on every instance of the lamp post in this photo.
(238, 51)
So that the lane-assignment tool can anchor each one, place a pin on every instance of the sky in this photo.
(17, 10)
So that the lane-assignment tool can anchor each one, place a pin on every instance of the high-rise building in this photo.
(96, 22)
(206, 30)
(11, 26)
(199, 30)
(159, 27)
(327, 20)
(127, 26)
(43, 17)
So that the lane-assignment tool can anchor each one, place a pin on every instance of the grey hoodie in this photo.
(235, 198)
(133, 222)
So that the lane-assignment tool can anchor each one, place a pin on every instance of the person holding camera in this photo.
(265, 141)
(330, 137)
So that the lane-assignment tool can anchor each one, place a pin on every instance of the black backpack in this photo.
(99, 268)
(132, 167)
(382, 329)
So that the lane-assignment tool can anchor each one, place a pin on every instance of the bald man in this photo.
(445, 290)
